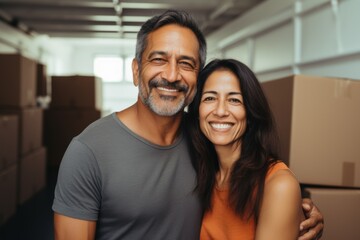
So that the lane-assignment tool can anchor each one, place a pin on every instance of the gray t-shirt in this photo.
(133, 189)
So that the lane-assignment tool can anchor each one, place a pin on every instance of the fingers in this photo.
(307, 201)
(314, 224)
(311, 235)
(315, 220)
(307, 224)
(307, 205)
(315, 230)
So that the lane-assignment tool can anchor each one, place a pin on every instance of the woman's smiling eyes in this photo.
(212, 98)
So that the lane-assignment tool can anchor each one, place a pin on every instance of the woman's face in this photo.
(222, 112)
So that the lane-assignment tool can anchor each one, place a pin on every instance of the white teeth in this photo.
(221, 125)
(167, 89)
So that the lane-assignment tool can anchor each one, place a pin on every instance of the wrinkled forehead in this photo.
(173, 39)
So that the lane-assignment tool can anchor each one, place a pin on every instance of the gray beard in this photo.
(165, 111)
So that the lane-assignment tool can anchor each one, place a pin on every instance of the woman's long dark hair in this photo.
(259, 148)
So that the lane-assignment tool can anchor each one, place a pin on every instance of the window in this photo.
(128, 69)
(117, 87)
(113, 68)
(109, 68)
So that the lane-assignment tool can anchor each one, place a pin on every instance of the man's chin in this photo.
(167, 111)
(168, 98)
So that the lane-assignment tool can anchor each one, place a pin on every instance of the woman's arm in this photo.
(72, 228)
(280, 212)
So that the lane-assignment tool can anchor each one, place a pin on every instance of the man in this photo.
(129, 175)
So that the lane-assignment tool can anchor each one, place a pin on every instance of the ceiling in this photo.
(111, 18)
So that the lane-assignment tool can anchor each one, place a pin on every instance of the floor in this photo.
(34, 219)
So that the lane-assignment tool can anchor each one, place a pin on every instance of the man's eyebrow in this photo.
(162, 53)
(185, 57)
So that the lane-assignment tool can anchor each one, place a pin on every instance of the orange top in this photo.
(222, 222)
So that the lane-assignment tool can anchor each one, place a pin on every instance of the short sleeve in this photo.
(78, 187)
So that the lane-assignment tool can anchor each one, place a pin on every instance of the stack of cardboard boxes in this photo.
(318, 121)
(75, 103)
(22, 156)
(8, 165)
(42, 87)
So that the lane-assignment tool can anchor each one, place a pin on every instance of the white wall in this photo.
(276, 39)
(284, 37)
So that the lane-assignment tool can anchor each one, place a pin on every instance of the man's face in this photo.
(169, 69)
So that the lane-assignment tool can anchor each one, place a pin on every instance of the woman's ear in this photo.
(135, 72)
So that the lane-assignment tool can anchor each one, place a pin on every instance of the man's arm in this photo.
(312, 227)
(72, 228)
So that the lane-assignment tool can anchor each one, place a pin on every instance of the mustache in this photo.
(154, 83)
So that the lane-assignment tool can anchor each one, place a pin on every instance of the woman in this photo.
(246, 191)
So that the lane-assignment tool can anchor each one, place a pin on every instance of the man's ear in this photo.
(135, 72)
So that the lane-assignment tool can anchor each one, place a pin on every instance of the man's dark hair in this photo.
(180, 18)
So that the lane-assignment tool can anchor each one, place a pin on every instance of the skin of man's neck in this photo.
(160, 130)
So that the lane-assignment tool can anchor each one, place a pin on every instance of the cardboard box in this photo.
(30, 128)
(8, 192)
(318, 123)
(341, 211)
(9, 134)
(17, 81)
(60, 126)
(32, 174)
(41, 80)
(76, 92)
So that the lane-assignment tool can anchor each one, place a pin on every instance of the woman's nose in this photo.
(221, 109)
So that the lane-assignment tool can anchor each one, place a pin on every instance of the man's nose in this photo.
(171, 72)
